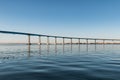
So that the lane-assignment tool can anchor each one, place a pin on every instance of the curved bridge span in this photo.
(95, 40)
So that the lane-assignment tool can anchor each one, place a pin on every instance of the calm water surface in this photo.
(22, 62)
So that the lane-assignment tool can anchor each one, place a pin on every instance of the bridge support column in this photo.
(55, 40)
(95, 41)
(63, 42)
(112, 42)
(39, 40)
(79, 43)
(87, 44)
(56, 44)
(47, 40)
(29, 43)
(87, 41)
(48, 44)
(71, 44)
(103, 42)
(71, 41)
(95, 44)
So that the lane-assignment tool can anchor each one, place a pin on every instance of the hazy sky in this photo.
(79, 18)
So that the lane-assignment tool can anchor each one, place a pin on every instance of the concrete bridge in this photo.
(95, 40)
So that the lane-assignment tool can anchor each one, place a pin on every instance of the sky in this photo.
(76, 18)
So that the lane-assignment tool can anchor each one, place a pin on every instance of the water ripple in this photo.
(20, 64)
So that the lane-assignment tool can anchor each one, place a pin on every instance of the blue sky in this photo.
(78, 18)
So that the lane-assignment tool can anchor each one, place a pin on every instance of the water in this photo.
(22, 62)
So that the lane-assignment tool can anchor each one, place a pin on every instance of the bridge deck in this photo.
(31, 34)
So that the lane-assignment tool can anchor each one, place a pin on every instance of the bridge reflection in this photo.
(66, 43)
(43, 50)
(68, 48)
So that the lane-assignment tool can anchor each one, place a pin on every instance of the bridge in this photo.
(62, 37)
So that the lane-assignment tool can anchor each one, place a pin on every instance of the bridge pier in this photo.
(87, 44)
(79, 43)
(71, 44)
(39, 40)
(48, 44)
(103, 42)
(55, 40)
(56, 44)
(47, 40)
(63, 42)
(95, 41)
(87, 41)
(71, 41)
(112, 42)
(29, 42)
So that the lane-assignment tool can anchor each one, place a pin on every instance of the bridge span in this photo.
(62, 37)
